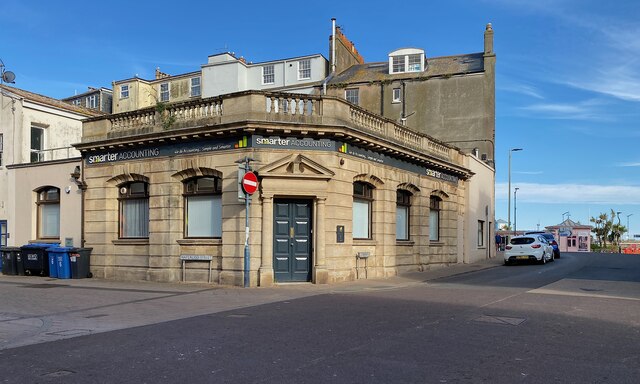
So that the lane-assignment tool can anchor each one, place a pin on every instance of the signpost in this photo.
(249, 184)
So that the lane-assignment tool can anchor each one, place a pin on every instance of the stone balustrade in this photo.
(256, 105)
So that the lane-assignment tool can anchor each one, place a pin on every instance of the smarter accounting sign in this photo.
(187, 148)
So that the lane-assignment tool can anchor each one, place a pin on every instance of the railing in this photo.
(289, 104)
(255, 105)
(61, 153)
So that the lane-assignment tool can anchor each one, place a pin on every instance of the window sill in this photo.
(45, 241)
(364, 242)
(199, 241)
(130, 242)
(436, 243)
(405, 243)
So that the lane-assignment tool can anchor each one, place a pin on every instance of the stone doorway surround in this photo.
(294, 176)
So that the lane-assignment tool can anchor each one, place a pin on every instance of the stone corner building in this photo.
(344, 193)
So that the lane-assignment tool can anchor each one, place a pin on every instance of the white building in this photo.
(36, 132)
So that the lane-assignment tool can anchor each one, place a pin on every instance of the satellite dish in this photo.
(8, 77)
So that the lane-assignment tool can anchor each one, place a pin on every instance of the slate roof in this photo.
(51, 101)
(436, 66)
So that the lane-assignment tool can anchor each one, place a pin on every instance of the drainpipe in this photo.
(333, 57)
(404, 108)
(333, 45)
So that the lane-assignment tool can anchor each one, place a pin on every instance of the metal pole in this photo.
(247, 259)
(515, 212)
(628, 230)
(509, 192)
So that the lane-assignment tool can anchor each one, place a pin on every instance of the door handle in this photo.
(291, 232)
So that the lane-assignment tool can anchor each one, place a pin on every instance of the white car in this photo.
(533, 247)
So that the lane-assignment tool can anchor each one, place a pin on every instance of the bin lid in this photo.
(40, 245)
(60, 249)
(9, 249)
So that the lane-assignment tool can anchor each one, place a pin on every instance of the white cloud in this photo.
(572, 193)
(628, 164)
(514, 87)
(584, 110)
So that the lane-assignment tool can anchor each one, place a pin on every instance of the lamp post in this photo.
(617, 233)
(515, 211)
(628, 229)
(509, 192)
(566, 213)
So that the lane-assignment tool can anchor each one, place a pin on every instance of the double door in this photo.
(292, 238)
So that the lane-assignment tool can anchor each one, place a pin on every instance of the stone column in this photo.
(321, 272)
(265, 273)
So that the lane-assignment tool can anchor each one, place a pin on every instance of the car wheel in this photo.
(552, 259)
(543, 259)
(557, 255)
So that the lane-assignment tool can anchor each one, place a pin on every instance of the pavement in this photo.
(41, 309)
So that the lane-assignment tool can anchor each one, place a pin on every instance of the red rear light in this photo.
(536, 246)
(509, 247)
(554, 243)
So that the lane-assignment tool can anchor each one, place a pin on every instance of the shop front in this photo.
(335, 182)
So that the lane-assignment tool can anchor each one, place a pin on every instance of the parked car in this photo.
(533, 247)
(551, 239)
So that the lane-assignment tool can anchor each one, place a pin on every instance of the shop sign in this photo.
(380, 158)
(277, 142)
(186, 148)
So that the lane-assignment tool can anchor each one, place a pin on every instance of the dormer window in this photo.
(406, 60)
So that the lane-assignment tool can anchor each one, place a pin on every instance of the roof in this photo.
(89, 92)
(436, 67)
(51, 101)
(568, 223)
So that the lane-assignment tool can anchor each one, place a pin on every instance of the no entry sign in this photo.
(249, 183)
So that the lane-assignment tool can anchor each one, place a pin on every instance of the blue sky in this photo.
(567, 83)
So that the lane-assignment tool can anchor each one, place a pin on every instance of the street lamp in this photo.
(566, 213)
(509, 192)
(628, 229)
(515, 211)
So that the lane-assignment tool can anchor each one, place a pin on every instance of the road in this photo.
(576, 320)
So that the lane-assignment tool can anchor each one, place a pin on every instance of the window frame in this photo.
(481, 235)
(197, 87)
(216, 195)
(398, 64)
(403, 200)
(4, 233)
(349, 95)
(414, 63)
(396, 98)
(36, 153)
(1, 147)
(165, 95)
(92, 102)
(125, 197)
(304, 69)
(124, 91)
(435, 207)
(365, 196)
(268, 72)
(43, 200)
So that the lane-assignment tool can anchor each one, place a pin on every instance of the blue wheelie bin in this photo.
(62, 263)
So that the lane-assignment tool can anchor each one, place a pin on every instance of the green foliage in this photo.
(166, 119)
(606, 230)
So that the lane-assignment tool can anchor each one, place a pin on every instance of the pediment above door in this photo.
(296, 166)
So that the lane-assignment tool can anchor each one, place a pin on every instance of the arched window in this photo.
(203, 207)
(362, 202)
(403, 206)
(48, 203)
(134, 210)
(434, 218)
